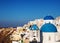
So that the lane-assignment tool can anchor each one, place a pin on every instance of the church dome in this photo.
(48, 27)
(48, 18)
(34, 27)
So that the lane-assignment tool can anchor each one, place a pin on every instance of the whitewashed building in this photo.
(34, 33)
(44, 31)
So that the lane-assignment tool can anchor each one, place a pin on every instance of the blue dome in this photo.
(34, 27)
(48, 27)
(48, 18)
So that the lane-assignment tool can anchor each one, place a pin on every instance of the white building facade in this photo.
(44, 33)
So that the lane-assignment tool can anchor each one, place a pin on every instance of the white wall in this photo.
(35, 33)
(48, 21)
(50, 35)
(15, 42)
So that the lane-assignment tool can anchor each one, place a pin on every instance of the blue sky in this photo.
(18, 12)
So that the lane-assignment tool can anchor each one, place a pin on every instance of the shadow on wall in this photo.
(41, 37)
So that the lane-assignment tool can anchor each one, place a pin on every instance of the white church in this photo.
(46, 33)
